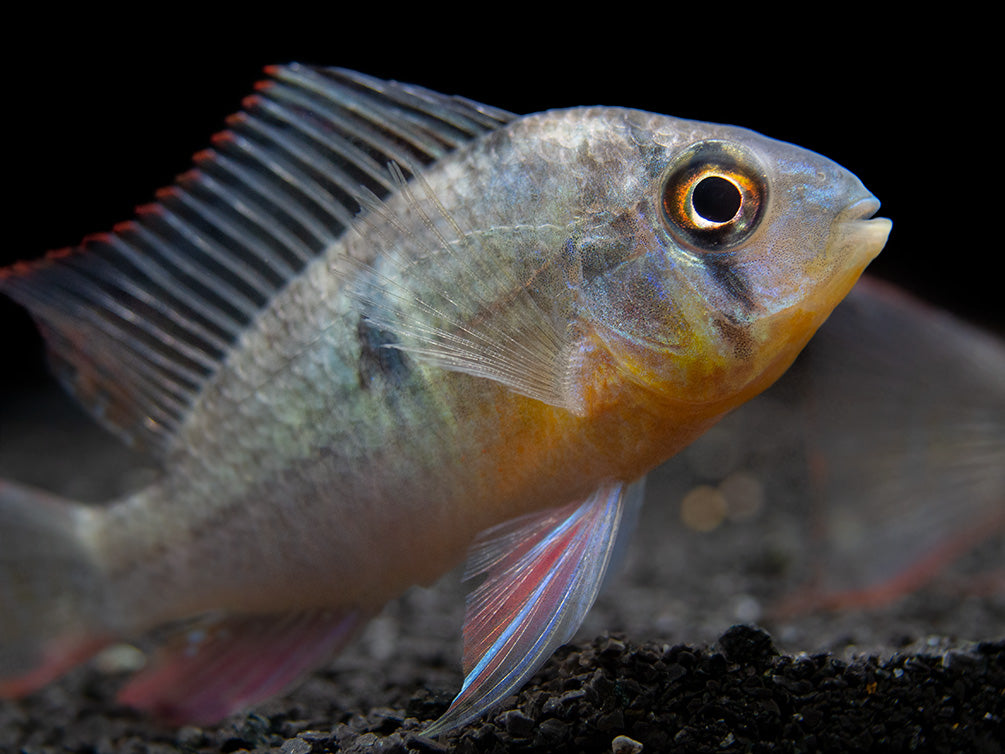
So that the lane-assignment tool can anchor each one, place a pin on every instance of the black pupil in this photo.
(716, 199)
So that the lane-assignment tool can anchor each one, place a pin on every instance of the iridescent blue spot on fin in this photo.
(542, 573)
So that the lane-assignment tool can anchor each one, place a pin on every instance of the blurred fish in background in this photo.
(891, 427)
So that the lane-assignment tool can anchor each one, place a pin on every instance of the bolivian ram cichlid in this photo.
(376, 328)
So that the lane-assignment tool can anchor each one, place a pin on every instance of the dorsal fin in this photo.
(137, 319)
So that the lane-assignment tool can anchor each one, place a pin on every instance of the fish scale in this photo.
(526, 316)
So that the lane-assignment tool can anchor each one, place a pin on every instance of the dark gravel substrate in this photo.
(608, 695)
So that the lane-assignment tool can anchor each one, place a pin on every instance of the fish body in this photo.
(486, 360)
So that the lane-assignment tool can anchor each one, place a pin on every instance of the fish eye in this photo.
(713, 196)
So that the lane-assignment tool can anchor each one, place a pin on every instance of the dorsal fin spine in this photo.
(301, 156)
(226, 226)
(106, 273)
(81, 283)
(143, 246)
(454, 124)
(281, 172)
(255, 211)
(213, 251)
(367, 111)
(362, 118)
(370, 170)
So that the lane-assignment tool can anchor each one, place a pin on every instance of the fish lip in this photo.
(857, 220)
(858, 232)
(861, 210)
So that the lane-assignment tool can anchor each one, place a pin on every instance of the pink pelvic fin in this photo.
(541, 574)
(210, 672)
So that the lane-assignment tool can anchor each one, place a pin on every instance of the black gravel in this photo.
(611, 694)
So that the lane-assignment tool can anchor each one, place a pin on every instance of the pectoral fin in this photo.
(486, 318)
(542, 573)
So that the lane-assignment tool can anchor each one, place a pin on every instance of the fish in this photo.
(377, 331)
(901, 409)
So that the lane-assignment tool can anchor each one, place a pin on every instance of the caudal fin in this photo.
(51, 593)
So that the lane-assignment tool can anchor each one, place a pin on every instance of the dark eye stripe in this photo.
(730, 280)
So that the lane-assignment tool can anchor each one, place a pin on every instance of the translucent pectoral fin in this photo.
(541, 573)
(468, 300)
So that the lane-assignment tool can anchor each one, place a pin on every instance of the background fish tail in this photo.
(51, 589)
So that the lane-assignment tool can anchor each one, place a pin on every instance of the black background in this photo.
(104, 112)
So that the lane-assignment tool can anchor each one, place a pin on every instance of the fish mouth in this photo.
(859, 229)
(863, 209)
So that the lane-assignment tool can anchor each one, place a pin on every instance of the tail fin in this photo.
(51, 591)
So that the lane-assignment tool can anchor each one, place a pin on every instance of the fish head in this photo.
(716, 256)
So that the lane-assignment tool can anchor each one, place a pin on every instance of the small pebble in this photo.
(625, 745)
(295, 746)
(120, 658)
(518, 724)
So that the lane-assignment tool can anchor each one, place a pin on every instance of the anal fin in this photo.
(542, 573)
(209, 672)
